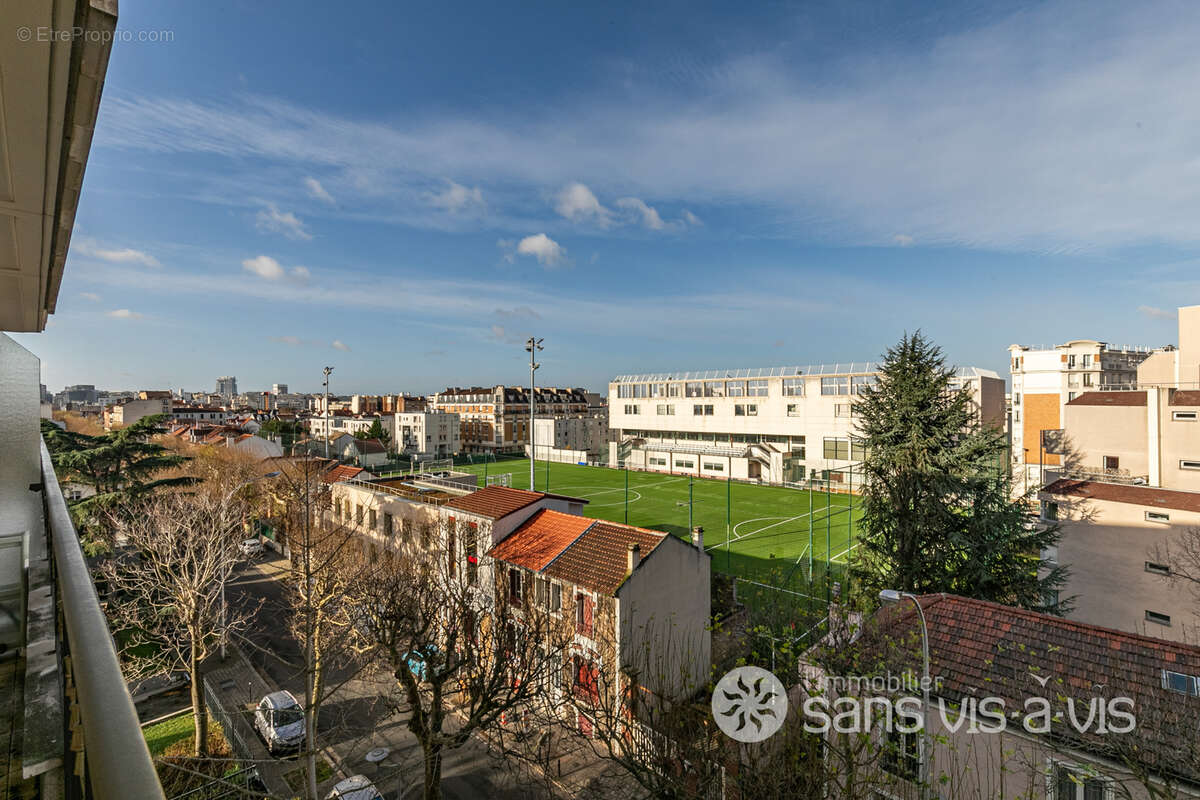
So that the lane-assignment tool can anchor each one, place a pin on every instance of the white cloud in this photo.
(124, 313)
(457, 198)
(95, 298)
(646, 215)
(269, 269)
(294, 341)
(300, 274)
(548, 252)
(691, 219)
(316, 190)
(339, 345)
(1157, 313)
(126, 255)
(578, 203)
(903, 239)
(272, 220)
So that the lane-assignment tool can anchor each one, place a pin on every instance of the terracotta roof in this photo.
(1185, 397)
(1109, 399)
(1123, 493)
(598, 559)
(369, 446)
(980, 649)
(342, 472)
(541, 539)
(495, 501)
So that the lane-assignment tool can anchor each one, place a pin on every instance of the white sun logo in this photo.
(749, 704)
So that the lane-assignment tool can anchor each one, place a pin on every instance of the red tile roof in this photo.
(1185, 397)
(370, 446)
(1109, 399)
(1123, 493)
(598, 560)
(985, 649)
(342, 472)
(495, 502)
(541, 539)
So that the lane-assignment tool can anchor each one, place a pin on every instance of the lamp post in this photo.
(327, 372)
(532, 345)
(225, 578)
(890, 597)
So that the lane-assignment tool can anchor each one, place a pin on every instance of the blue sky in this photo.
(407, 191)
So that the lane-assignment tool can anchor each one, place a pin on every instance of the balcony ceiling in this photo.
(49, 95)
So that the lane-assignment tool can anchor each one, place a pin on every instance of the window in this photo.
(1158, 569)
(714, 466)
(372, 519)
(673, 389)
(714, 388)
(1088, 379)
(514, 587)
(666, 410)
(1112, 462)
(585, 609)
(793, 387)
(657, 461)
(739, 410)
(902, 754)
(1073, 783)
(841, 409)
(1183, 416)
(631, 409)
(698, 411)
(625, 390)
(684, 463)
(756, 388)
(358, 514)
(541, 592)
(793, 410)
(472, 554)
(1157, 618)
(556, 597)
(1070, 362)
(837, 449)
(388, 525)
(839, 385)
(861, 383)
(1049, 510)
(693, 389)
(1087, 359)
(1178, 682)
(1189, 463)
(735, 389)
(1157, 516)
(1016, 398)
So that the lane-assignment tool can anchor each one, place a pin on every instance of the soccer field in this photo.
(769, 528)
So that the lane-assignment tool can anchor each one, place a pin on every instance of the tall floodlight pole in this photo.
(327, 371)
(532, 345)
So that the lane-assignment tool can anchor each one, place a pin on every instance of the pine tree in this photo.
(938, 509)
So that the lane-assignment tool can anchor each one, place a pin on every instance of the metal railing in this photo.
(117, 763)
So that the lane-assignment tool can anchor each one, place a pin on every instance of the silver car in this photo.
(357, 787)
(279, 719)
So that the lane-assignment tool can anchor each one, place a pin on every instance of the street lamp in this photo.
(891, 597)
(532, 345)
(327, 372)
(225, 579)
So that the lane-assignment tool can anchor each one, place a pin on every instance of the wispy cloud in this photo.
(124, 255)
(457, 198)
(317, 191)
(1157, 313)
(338, 344)
(124, 313)
(521, 312)
(578, 203)
(272, 220)
(95, 298)
(269, 269)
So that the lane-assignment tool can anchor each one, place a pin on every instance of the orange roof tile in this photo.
(541, 539)
(495, 502)
(342, 472)
(598, 559)
(1126, 398)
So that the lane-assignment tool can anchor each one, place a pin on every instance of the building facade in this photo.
(427, 434)
(496, 419)
(130, 411)
(227, 387)
(779, 424)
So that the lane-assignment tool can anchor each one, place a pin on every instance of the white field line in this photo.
(838, 558)
(741, 536)
(620, 488)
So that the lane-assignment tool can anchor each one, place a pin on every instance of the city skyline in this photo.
(683, 188)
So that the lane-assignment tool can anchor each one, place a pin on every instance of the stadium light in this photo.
(532, 345)
(327, 372)
(891, 597)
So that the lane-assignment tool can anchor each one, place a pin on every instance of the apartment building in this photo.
(346, 421)
(496, 419)
(778, 424)
(571, 438)
(130, 411)
(69, 732)
(193, 413)
(227, 387)
(427, 434)
(1045, 379)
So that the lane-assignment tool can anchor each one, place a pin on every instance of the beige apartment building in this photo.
(778, 424)
(496, 419)
(1045, 379)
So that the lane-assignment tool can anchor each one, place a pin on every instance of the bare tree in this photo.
(462, 663)
(167, 586)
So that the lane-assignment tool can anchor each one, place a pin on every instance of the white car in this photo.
(357, 787)
(279, 719)
(252, 547)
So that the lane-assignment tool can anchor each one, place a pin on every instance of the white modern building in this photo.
(427, 434)
(777, 424)
(572, 438)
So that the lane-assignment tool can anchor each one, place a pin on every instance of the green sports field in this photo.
(769, 528)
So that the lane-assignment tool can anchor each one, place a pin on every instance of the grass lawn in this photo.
(162, 735)
(769, 529)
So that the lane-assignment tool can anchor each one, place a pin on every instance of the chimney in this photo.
(698, 538)
(634, 556)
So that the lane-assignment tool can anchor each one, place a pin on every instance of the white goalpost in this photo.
(503, 479)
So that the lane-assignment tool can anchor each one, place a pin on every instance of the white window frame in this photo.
(1189, 463)
(1184, 416)
(1053, 765)
(1151, 516)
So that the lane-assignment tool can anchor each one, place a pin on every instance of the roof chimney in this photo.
(634, 556)
(698, 537)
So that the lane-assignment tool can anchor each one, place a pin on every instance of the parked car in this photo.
(252, 547)
(279, 720)
(356, 787)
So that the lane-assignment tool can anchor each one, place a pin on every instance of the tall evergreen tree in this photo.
(938, 510)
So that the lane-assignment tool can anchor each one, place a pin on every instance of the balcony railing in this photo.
(112, 758)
